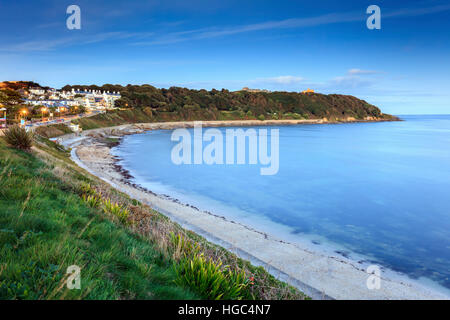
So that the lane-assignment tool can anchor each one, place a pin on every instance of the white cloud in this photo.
(349, 82)
(361, 72)
(288, 80)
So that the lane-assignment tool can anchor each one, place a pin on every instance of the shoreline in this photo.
(318, 275)
(133, 128)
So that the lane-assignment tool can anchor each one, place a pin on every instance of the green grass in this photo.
(53, 215)
(45, 226)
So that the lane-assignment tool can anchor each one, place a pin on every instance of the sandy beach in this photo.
(319, 275)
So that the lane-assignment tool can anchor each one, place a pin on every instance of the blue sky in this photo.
(404, 68)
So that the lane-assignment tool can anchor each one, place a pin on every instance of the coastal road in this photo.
(63, 120)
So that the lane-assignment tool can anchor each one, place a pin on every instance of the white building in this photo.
(91, 99)
(52, 102)
(37, 91)
(98, 100)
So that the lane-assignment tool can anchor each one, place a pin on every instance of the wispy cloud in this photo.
(171, 24)
(150, 38)
(349, 82)
(413, 12)
(119, 35)
(284, 80)
(353, 79)
(48, 45)
(50, 25)
(331, 18)
(213, 32)
(356, 71)
(36, 45)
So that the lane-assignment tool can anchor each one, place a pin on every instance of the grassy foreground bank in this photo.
(53, 215)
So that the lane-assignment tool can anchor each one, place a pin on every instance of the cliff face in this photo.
(188, 104)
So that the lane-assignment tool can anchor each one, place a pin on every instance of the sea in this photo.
(378, 190)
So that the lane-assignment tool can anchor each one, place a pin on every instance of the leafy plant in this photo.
(92, 200)
(116, 210)
(19, 138)
(87, 189)
(210, 279)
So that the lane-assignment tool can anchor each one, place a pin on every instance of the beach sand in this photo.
(317, 274)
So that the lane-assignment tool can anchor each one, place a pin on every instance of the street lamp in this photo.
(43, 109)
(2, 116)
(23, 113)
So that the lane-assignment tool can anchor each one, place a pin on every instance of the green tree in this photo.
(10, 97)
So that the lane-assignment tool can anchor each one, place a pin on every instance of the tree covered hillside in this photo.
(178, 103)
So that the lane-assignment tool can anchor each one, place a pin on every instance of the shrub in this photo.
(19, 138)
(210, 279)
(293, 115)
(261, 117)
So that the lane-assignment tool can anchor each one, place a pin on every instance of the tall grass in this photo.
(183, 247)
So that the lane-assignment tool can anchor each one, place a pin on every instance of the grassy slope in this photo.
(53, 130)
(119, 117)
(114, 118)
(45, 226)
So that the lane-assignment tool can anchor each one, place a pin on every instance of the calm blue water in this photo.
(381, 190)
